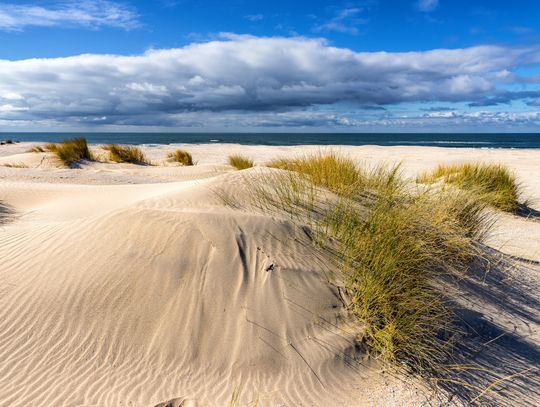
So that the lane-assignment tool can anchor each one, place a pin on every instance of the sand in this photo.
(125, 285)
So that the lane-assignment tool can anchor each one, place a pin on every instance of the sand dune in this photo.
(156, 292)
(133, 295)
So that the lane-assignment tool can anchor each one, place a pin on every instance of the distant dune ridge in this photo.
(138, 286)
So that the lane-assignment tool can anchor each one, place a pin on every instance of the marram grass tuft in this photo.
(396, 241)
(126, 154)
(495, 184)
(181, 156)
(240, 162)
(71, 151)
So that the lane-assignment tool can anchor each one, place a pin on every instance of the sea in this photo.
(477, 140)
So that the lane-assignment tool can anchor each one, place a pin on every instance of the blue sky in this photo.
(374, 65)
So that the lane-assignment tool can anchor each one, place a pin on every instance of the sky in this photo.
(208, 65)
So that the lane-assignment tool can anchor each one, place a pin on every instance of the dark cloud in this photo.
(504, 98)
(266, 79)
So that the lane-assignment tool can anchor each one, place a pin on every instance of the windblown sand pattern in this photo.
(114, 294)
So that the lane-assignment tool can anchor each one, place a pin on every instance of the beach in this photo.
(137, 285)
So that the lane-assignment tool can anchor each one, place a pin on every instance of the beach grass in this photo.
(15, 165)
(340, 174)
(126, 154)
(181, 156)
(71, 151)
(240, 162)
(493, 183)
(336, 173)
(36, 149)
(396, 241)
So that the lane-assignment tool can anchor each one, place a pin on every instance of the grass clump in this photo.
(71, 151)
(395, 253)
(337, 174)
(493, 183)
(126, 154)
(395, 243)
(181, 157)
(340, 175)
(15, 165)
(36, 149)
(240, 162)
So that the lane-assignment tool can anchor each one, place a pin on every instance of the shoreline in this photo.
(461, 140)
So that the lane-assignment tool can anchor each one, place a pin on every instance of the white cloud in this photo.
(427, 5)
(68, 13)
(254, 17)
(344, 21)
(246, 79)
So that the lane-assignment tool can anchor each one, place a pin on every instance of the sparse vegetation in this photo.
(50, 147)
(240, 162)
(181, 157)
(15, 165)
(395, 243)
(339, 174)
(126, 154)
(493, 183)
(5, 212)
(71, 151)
(36, 149)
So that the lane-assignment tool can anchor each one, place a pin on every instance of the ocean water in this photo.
(479, 140)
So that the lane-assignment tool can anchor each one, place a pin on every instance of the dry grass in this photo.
(395, 242)
(340, 174)
(50, 147)
(240, 162)
(126, 154)
(396, 250)
(15, 165)
(337, 174)
(181, 156)
(493, 183)
(36, 149)
(71, 151)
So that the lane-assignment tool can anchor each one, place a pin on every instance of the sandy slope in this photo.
(132, 286)
(134, 295)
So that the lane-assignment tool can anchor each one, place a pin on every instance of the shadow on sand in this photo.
(6, 212)
(526, 211)
(497, 312)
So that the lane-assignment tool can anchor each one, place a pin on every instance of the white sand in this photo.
(126, 285)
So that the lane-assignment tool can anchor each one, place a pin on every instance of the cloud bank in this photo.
(91, 14)
(258, 82)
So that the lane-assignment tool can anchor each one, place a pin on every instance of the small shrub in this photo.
(126, 154)
(71, 151)
(493, 183)
(181, 157)
(240, 162)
